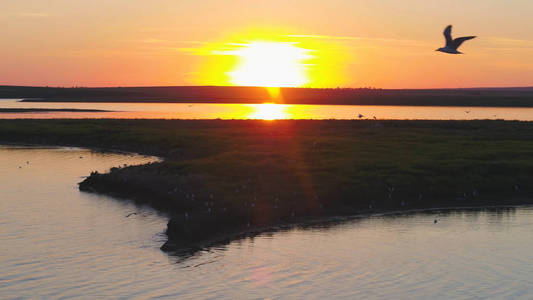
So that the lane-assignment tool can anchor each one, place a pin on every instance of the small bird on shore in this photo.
(453, 44)
(435, 222)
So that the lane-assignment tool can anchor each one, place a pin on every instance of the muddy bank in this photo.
(200, 218)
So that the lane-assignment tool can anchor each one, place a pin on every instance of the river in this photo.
(263, 111)
(58, 242)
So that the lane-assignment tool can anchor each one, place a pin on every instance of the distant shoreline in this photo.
(362, 103)
(471, 97)
(38, 110)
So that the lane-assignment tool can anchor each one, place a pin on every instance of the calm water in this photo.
(56, 242)
(265, 111)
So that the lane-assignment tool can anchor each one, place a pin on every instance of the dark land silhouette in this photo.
(35, 110)
(496, 97)
(224, 179)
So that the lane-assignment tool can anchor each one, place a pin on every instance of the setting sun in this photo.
(277, 64)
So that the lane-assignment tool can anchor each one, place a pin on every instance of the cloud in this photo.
(366, 40)
(348, 38)
(325, 37)
(161, 29)
(32, 15)
(208, 48)
(213, 48)
(157, 41)
(161, 41)
(165, 45)
(508, 43)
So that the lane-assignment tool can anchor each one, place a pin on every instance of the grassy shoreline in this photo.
(224, 179)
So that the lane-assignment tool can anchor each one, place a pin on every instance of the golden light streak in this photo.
(269, 111)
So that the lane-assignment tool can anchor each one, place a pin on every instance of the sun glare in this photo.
(269, 111)
(270, 64)
(272, 59)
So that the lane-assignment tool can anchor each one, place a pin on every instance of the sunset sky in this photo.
(315, 43)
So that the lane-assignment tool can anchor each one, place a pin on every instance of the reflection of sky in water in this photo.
(265, 111)
(58, 242)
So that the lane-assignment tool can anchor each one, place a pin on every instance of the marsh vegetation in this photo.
(223, 177)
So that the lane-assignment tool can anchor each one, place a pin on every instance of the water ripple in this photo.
(60, 243)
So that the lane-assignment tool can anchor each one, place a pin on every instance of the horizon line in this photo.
(245, 86)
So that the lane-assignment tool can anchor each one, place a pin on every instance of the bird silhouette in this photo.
(453, 44)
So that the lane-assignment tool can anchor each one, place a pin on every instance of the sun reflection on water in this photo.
(269, 111)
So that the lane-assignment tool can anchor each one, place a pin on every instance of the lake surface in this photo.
(264, 111)
(57, 242)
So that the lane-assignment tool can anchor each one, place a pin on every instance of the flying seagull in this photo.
(453, 44)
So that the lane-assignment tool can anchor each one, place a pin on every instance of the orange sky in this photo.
(346, 43)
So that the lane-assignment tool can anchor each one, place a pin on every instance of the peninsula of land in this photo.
(221, 179)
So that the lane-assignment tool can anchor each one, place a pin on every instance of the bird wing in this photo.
(448, 35)
(458, 41)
